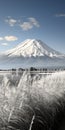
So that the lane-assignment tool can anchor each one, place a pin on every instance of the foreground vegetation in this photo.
(32, 101)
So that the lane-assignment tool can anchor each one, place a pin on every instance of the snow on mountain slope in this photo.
(33, 47)
(33, 53)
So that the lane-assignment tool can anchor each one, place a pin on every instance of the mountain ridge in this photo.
(32, 53)
(33, 47)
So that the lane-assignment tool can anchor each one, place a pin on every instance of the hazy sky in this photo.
(38, 19)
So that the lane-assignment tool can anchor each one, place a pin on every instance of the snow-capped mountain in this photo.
(32, 47)
(32, 53)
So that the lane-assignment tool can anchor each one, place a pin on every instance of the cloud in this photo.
(4, 44)
(10, 38)
(60, 15)
(30, 24)
(34, 22)
(26, 26)
(11, 21)
(1, 38)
